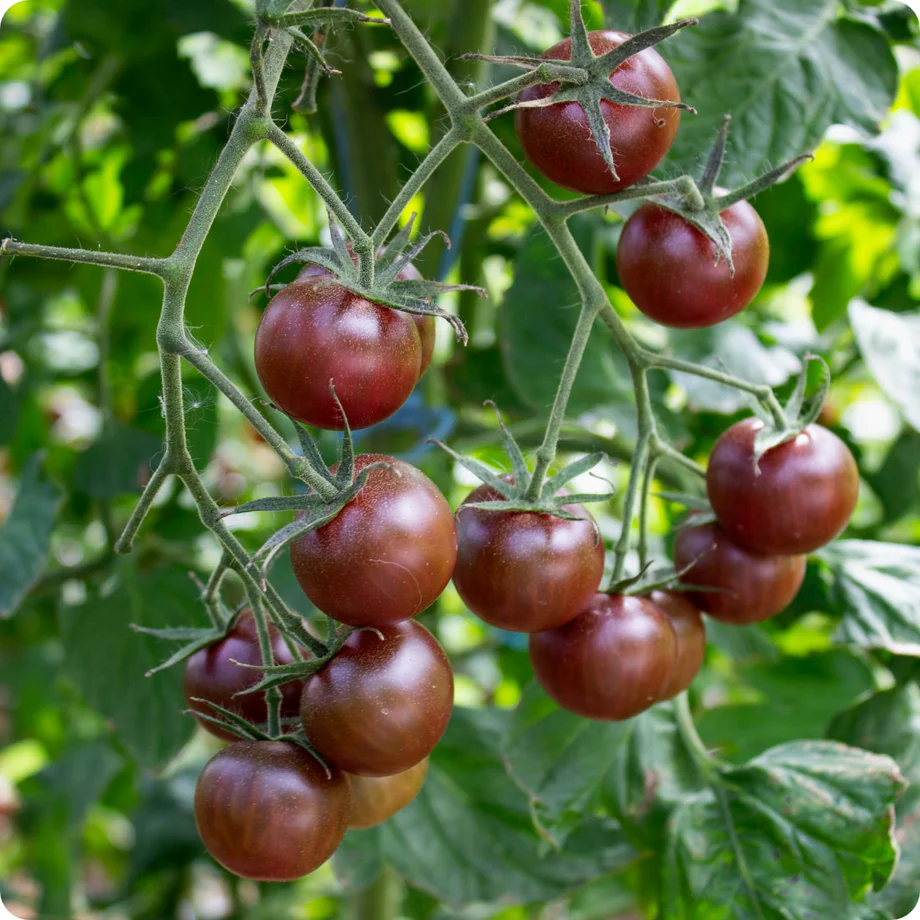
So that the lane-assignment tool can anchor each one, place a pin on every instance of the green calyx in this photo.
(517, 490)
(797, 414)
(702, 207)
(375, 277)
(585, 77)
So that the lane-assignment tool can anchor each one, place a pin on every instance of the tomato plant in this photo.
(431, 412)
(268, 811)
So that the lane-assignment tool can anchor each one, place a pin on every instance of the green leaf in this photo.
(107, 660)
(803, 831)
(733, 347)
(796, 697)
(538, 319)
(10, 404)
(634, 15)
(359, 860)
(26, 535)
(119, 462)
(890, 344)
(889, 723)
(786, 70)
(541, 736)
(468, 836)
(897, 481)
(876, 589)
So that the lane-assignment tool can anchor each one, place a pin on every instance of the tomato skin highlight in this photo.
(210, 674)
(425, 323)
(802, 498)
(315, 331)
(558, 142)
(522, 571)
(267, 811)
(752, 587)
(388, 554)
(611, 662)
(691, 639)
(383, 702)
(670, 271)
(375, 799)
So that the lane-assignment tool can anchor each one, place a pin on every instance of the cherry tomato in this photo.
(522, 571)
(691, 639)
(374, 799)
(387, 555)
(559, 143)
(802, 497)
(315, 331)
(382, 703)
(210, 674)
(749, 587)
(670, 271)
(268, 811)
(425, 323)
(611, 662)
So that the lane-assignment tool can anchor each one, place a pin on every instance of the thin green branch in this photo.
(545, 73)
(143, 264)
(125, 542)
(644, 508)
(684, 186)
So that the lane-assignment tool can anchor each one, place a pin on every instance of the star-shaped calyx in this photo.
(585, 77)
(703, 204)
(518, 491)
(385, 284)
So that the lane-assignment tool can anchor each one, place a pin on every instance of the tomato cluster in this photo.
(673, 272)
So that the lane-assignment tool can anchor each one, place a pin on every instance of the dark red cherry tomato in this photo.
(387, 555)
(426, 324)
(382, 703)
(749, 587)
(691, 639)
(670, 272)
(611, 662)
(522, 571)
(374, 799)
(268, 811)
(802, 497)
(315, 331)
(559, 143)
(210, 674)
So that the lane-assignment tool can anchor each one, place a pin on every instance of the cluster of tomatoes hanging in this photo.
(271, 810)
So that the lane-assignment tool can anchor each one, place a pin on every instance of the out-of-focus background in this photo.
(111, 116)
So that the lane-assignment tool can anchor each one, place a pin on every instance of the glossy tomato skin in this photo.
(382, 703)
(374, 799)
(751, 587)
(266, 810)
(425, 324)
(670, 272)
(560, 145)
(691, 639)
(315, 331)
(210, 674)
(802, 498)
(611, 662)
(522, 571)
(387, 555)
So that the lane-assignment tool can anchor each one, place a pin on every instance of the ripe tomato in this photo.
(522, 571)
(559, 143)
(750, 587)
(691, 639)
(266, 810)
(669, 268)
(611, 662)
(315, 331)
(802, 497)
(374, 799)
(210, 674)
(425, 323)
(382, 703)
(388, 554)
